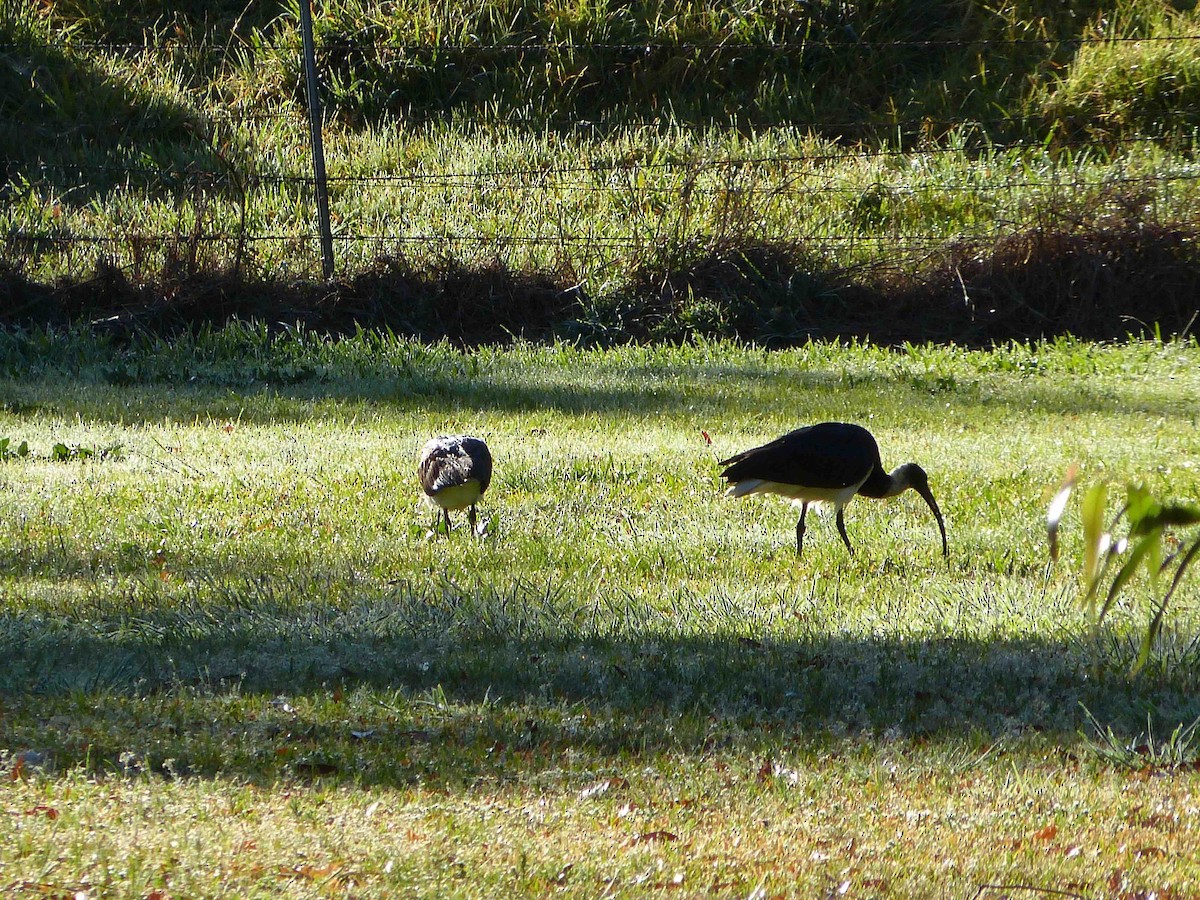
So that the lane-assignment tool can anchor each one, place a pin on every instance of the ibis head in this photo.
(454, 471)
(829, 462)
(910, 475)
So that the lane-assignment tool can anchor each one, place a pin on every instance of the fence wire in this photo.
(235, 181)
(433, 49)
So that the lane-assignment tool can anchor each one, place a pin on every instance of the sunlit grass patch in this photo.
(240, 627)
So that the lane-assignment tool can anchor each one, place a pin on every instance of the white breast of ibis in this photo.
(458, 496)
(798, 493)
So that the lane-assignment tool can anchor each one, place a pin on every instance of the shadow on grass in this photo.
(705, 394)
(71, 128)
(1096, 281)
(437, 685)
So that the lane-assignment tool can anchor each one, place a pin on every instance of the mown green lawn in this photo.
(234, 662)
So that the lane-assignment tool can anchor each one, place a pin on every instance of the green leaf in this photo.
(1110, 550)
(1143, 548)
(1148, 639)
(1152, 631)
(1177, 515)
(1092, 515)
(1139, 505)
(1188, 557)
(7, 451)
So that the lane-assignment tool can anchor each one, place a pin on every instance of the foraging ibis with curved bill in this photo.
(829, 462)
(454, 471)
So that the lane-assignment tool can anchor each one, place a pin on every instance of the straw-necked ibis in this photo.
(830, 462)
(454, 471)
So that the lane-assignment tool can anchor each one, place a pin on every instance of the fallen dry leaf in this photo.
(771, 770)
(1116, 880)
(1149, 852)
(1153, 820)
(419, 736)
(1049, 833)
(649, 836)
(44, 889)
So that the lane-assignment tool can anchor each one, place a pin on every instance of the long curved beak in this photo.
(937, 514)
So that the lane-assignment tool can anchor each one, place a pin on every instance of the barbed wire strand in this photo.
(650, 45)
(575, 177)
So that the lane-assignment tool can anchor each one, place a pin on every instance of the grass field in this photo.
(767, 171)
(235, 663)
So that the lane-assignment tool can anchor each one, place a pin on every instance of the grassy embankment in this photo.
(601, 172)
(235, 663)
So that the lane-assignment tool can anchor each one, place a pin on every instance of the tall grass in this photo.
(500, 133)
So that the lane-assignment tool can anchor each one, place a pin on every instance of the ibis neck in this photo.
(898, 482)
(880, 485)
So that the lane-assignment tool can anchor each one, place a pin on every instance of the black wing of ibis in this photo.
(827, 456)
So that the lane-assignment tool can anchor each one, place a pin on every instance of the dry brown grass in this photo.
(893, 823)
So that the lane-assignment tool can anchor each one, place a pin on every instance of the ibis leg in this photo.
(841, 524)
(800, 529)
(446, 513)
(471, 518)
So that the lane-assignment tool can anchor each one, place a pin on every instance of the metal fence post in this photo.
(318, 149)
